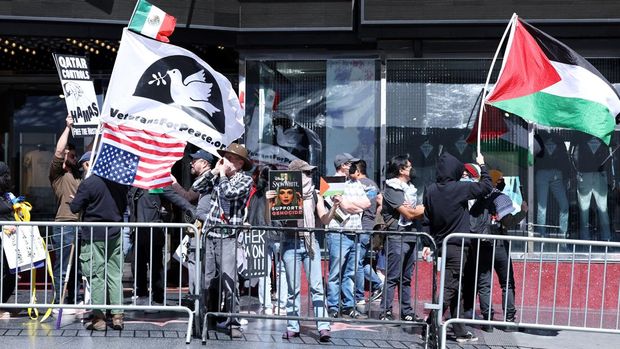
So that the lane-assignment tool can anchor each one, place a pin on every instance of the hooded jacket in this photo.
(445, 202)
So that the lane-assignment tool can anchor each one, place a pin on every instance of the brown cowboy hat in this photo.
(239, 150)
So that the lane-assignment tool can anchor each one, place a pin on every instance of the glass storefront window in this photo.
(317, 108)
(313, 110)
(37, 121)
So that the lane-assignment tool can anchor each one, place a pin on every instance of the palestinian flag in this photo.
(150, 21)
(503, 133)
(545, 82)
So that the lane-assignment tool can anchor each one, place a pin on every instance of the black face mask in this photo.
(412, 174)
(501, 185)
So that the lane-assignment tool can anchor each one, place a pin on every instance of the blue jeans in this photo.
(364, 269)
(551, 180)
(62, 238)
(341, 271)
(593, 184)
(264, 283)
(294, 254)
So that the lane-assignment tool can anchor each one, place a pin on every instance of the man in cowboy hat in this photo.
(229, 189)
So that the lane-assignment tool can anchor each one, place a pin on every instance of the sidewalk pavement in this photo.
(164, 330)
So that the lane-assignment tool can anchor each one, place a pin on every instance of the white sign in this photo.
(24, 248)
(79, 92)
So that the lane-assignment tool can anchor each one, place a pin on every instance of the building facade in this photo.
(374, 78)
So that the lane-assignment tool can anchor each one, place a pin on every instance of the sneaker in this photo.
(353, 314)
(235, 333)
(97, 324)
(243, 322)
(332, 313)
(376, 294)
(466, 338)
(411, 317)
(510, 326)
(290, 334)
(268, 311)
(117, 322)
(324, 336)
(361, 306)
(279, 311)
(386, 316)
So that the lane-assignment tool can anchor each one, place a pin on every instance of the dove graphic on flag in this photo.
(193, 91)
(158, 87)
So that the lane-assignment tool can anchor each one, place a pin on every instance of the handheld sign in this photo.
(254, 245)
(288, 203)
(79, 92)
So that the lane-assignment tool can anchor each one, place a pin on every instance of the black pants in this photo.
(456, 258)
(149, 262)
(501, 263)
(8, 280)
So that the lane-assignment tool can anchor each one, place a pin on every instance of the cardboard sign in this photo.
(288, 203)
(79, 92)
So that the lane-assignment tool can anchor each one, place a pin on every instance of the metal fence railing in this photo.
(97, 252)
(555, 284)
(331, 260)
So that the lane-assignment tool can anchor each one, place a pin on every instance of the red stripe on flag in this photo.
(134, 145)
(166, 29)
(527, 69)
(158, 151)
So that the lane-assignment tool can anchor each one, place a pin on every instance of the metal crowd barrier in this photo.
(250, 248)
(39, 294)
(559, 285)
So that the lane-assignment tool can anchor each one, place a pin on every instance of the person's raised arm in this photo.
(64, 138)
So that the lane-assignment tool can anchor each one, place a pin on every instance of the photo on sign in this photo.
(288, 203)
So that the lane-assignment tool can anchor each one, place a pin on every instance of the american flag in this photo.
(139, 158)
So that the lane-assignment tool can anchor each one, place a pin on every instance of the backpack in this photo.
(483, 216)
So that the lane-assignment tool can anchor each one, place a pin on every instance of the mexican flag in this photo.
(545, 82)
(150, 21)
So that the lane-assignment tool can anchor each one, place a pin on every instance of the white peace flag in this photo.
(167, 89)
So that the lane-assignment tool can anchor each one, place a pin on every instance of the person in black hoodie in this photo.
(445, 212)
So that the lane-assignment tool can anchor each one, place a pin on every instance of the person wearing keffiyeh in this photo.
(229, 189)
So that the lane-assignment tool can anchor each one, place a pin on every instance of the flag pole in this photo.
(93, 150)
(486, 84)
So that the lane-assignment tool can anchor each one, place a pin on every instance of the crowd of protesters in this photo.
(231, 190)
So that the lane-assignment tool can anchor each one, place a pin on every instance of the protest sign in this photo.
(254, 245)
(23, 249)
(288, 203)
(79, 93)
